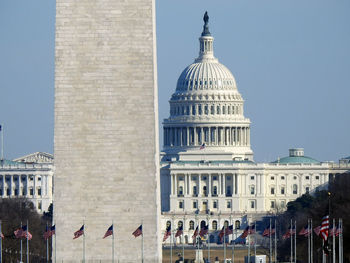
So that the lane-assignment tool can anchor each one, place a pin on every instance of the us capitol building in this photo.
(208, 174)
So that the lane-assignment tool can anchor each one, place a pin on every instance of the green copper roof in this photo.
(296, 159)
(9, 162)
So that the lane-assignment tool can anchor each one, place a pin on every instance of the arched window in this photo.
(203, 224)
(218, 109)
(212, 110)
(215, 225)
(215, 190)
(191, 225)
(226, 224)
(181, 190)
(193, 109)
(205, 191)
(295, 189)
(179, 224)
(168, 223)
(237, 224)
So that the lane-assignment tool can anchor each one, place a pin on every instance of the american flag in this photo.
(109, 232)
(229, 230)
(79, 233)
(22, 232)
(266, 232)
(338, 232)
(288, 233)
(179, 231)
(325, 227)
(317, 230)
(202, 146)
(245, 232)
(138, 231)
(49, 232)
(332, 231)
(304, 231)
(204, 231)
(195, 234)
(221, 234)
(167, 233)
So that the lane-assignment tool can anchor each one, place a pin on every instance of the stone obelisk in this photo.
(106, 130)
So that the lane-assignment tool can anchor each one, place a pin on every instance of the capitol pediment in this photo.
(38, 157)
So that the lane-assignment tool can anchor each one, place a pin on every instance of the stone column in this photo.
(175, 183)
(195, 135)
(34, 185)
(236, 136)
(219, 186)
(11, 184)
(209, 185)
(199, 186)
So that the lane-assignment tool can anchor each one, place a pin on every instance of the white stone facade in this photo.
(29, 177)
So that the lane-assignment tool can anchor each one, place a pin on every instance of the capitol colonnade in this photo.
(210, 135)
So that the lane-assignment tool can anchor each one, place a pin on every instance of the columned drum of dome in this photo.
(206, 111)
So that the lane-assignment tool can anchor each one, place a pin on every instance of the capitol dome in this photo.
(206, 109)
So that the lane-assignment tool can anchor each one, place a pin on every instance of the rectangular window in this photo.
(317, 177)
(181, 205)
(252, 204)
(272, 178)
(228, 204)
(307, 190)
(39, 191)
(39, 205)
(252, 178)
(307, 177)
(282, 177)
(215, 204)
(272, 204)
(283, 204)
(16, 192)
(8, 192)
(31, 191)
(252, 190)
(282, 191)
(215, 178)
(195, 204)
(272, 190)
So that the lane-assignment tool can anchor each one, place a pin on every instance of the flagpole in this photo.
(21, 246)
(233, 239)
(47, 244)
(224, 243)
(208, 238)
(255, 241)
(112, 242)
(0, 244)
(323, 255)
(341, 241)
(171, 239)
(84, 242)
(311, 242)
(2, 143)
(308, 240)
(142, 242)
(295, 241)
(248, 242)
(275, 240)
(291, 241)
(55, 243)
(27, 243)
(183, 241)
(333, 240)
(270, 234)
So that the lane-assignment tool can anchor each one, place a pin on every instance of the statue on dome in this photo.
(206, 27)
(206, 18)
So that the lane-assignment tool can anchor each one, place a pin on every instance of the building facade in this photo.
(30, 177)
(208, 173)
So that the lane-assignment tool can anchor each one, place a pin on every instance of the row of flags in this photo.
(322, 230)
(23, 232)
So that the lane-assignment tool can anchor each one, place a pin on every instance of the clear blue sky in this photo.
(291, 61)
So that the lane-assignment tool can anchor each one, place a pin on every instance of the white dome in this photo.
(206, 76)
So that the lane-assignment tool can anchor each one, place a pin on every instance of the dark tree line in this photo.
(13, 211)
(316, 206)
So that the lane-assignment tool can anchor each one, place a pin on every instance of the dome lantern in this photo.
(206, 52)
